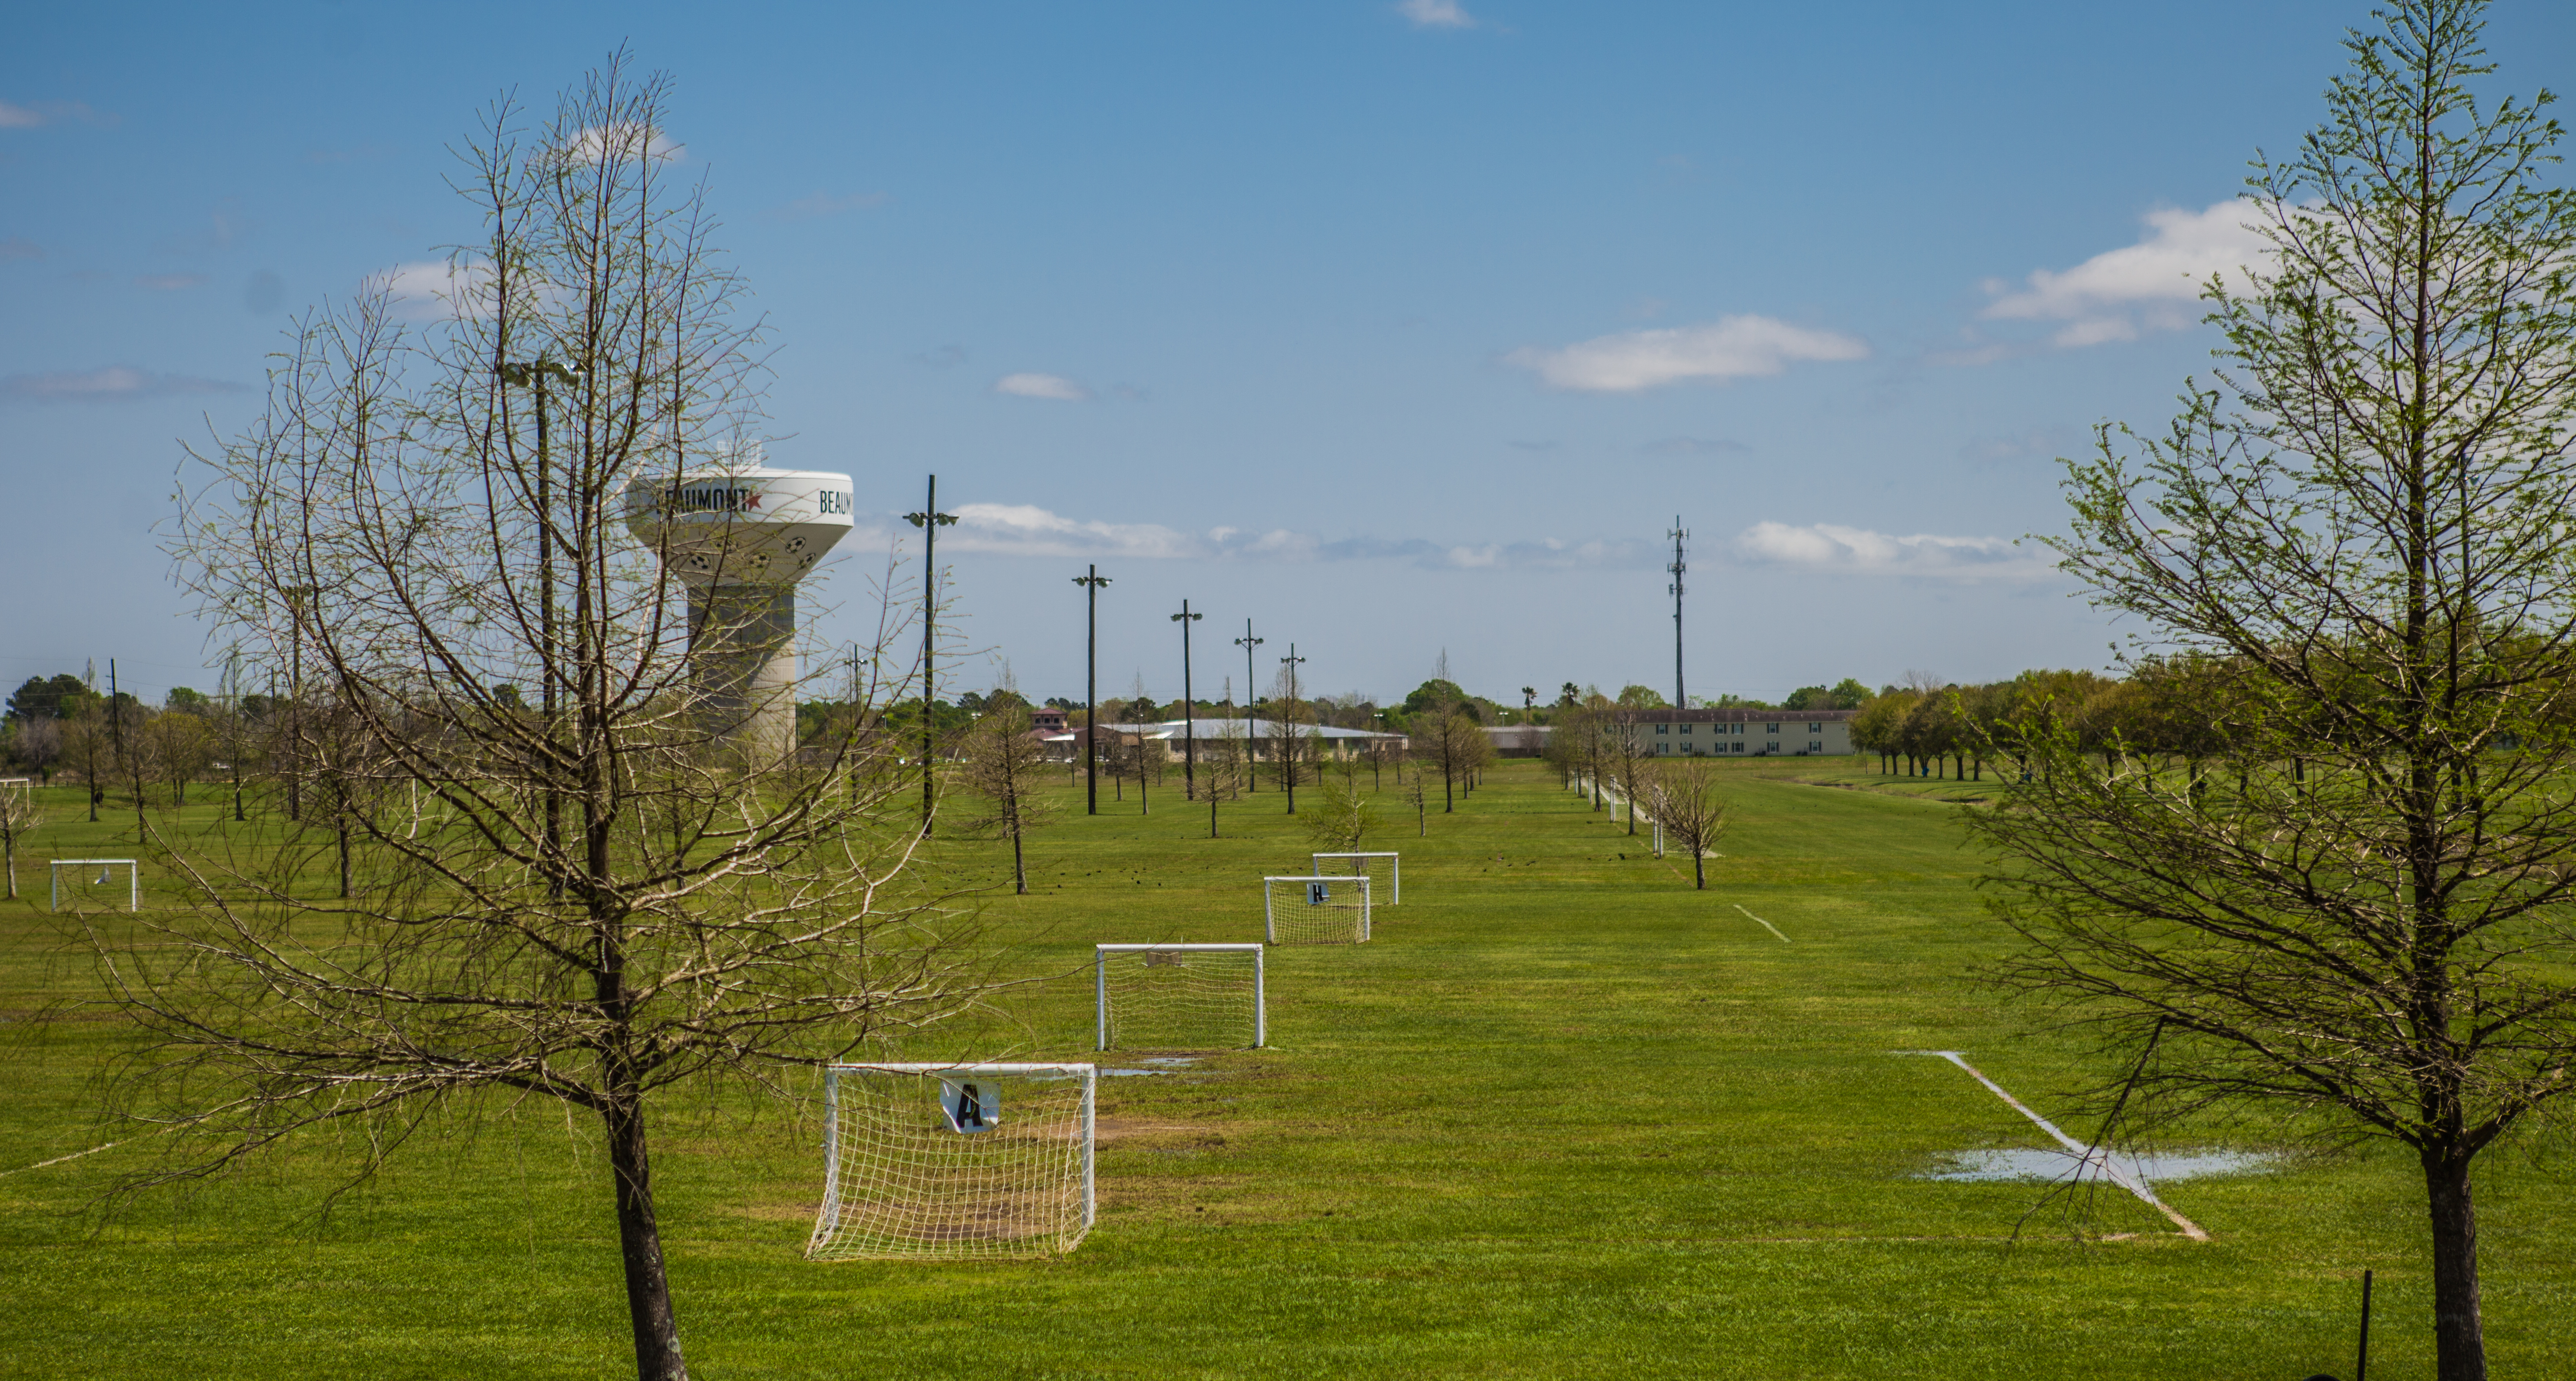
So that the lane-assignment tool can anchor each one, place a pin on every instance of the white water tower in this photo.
(740, 535)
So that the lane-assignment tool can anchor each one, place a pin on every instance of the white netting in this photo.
(1315, 910)
(1179, 997)
(1385, 872)
(955, 1161)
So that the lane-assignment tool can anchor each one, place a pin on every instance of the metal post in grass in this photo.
(1251, 779)
(930, 520)
(1091, 584)
(1189, 711)
(1288, 749)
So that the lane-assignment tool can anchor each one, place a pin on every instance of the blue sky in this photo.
(1394, 328)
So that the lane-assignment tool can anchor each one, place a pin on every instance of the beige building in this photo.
(1742, 733)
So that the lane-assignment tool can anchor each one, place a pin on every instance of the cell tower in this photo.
(740, 535)
(1679, 536)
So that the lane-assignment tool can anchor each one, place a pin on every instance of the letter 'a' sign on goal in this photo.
(972, 1105)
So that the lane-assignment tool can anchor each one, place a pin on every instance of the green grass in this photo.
(1565, 1118)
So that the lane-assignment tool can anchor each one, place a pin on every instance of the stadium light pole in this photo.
(1680, 701)
(1189, 711)
(1288, 736)
(525, 374)
(1251, 779)
(1091, 584)
(930, 520)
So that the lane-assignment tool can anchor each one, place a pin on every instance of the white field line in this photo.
(2083, 1153)
(76, 1155)
(1766, 925)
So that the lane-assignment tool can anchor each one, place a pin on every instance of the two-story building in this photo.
(1708, 733)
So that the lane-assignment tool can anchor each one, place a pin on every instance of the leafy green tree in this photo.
(1640, 698)
(2359, 531)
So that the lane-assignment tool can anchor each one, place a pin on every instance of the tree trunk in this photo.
(2459, 1338)
(1019, 869)
(639, 1235)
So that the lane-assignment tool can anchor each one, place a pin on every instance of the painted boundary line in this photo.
(1775, 930)
(2083, 1154)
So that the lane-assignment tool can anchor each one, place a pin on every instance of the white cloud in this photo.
(171, 282)
(1012, 529)
(624, 140)
(1054, 386)
(2150, 285)
(1831, 549)
(1436, 14)
(113, 384)
(1734, 347)
(434, 290)
(14, 116)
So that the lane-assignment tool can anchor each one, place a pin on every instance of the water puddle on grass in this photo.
(2053, 1165)
(1175, 1061)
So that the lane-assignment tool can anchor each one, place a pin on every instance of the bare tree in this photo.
(1681, 795)
(2361, 527)
(1001, 759)
(177, 745)
(1626, 752)
(39, 744)
(1342, 817)
(1225, 768)
(19, 816)
(607, 900)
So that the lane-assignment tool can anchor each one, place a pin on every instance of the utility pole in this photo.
(1251, 779)
(1189, 711)
(1091, 584)
(930, 520)
(522, 375)
(1680, 701)
(1288, 728)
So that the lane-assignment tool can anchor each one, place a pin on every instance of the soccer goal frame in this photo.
(133, 879)
(1317, 888)
(1176, 956)
(1394, 870)
(887, 1196)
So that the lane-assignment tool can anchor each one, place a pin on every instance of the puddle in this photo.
(1129, 1073)
(2155, 1167)
(1176, 1061)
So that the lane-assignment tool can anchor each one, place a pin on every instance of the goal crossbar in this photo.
(1270, 908)
(133, 879)
(1394, 870)
(1100, 983)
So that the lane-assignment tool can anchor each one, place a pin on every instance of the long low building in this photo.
(1707, 733)
(1173, 733)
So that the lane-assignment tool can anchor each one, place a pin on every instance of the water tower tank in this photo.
(740, 534)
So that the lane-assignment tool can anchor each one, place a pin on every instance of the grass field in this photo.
(1566, 1117)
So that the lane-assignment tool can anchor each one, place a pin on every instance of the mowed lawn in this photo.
(1565, 1117)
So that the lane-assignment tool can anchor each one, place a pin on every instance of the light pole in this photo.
(1288, 728)
(1091, 584)
(1680, 701)
(1251, 779)
(523, 374)
(1189, 711)
(930, 520)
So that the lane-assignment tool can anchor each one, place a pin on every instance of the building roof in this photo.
(1736, 716)
(1233, 728)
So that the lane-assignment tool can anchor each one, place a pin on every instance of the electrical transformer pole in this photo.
(1189, 711)
(1091, 584)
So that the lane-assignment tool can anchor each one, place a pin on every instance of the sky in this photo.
(1397, 329)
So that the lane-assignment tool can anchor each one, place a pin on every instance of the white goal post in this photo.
(1179, 997)
(1365, 863)
(133, 879)
(955, 1161)
(1316, 909)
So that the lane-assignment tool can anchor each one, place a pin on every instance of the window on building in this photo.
(1815, 745)
(1663, 748)
(1685, 728)
(1663, 728)
(1815, 728)
(1770, 728)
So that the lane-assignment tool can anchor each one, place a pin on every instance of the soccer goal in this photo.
(1384, 870)
(1179, 997)
(954, 1161)
(1315, 910)
(88, 873)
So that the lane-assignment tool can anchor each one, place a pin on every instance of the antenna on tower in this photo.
(1679, 534)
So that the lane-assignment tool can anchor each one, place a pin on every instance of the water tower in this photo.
(740, 535)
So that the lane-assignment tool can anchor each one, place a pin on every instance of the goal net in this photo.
(954, 1161)
(1315, 910)
(83, 879)
(1179, 997)
(1385, 872)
